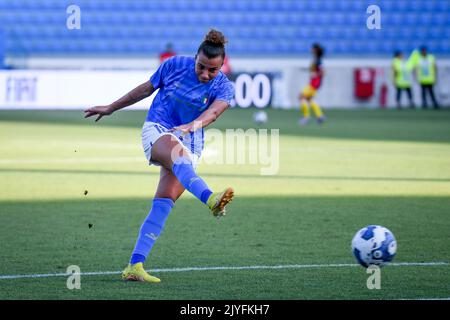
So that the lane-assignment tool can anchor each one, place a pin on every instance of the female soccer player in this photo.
(310, 90)
(193, 93)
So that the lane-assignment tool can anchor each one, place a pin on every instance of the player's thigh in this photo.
(166, 150)
(306, 99)
(168, 186)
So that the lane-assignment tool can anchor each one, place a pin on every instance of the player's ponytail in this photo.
(213, 45)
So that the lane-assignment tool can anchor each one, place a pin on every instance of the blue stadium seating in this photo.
(253, 27)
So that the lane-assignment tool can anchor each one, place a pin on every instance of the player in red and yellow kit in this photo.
(168, 53)
(309, 92)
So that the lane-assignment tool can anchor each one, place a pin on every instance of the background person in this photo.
(310, 91)
(402, 72)
(426, 68)
(167, 53)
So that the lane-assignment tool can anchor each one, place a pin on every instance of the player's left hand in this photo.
(99, 111)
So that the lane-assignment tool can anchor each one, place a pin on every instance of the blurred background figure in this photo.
(310, 91)
(226, 68)
(426, 68)
(402, 72)
(167, 53)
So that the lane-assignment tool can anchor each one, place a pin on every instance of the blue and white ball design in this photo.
(260, 117)
(374, 245)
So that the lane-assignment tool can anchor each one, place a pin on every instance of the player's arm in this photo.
(206, 118)
(137, 94)
(394, 73)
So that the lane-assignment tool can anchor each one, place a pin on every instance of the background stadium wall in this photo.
(39, 85)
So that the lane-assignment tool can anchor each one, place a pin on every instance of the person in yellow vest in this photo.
(425, 64)
(402, 71)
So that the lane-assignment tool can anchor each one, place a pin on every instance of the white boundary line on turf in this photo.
(73, 160)
(224, 268)
(427, 299)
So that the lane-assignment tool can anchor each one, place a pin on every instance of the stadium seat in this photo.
(186, 21)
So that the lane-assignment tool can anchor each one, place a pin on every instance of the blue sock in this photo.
(136, 258)
(151, 229)
(184, 171)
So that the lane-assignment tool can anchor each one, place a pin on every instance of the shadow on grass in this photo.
(225, 175)
(99, 235)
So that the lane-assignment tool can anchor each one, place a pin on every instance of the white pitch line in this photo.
(426, 299)
(73, 160)
(224, 268)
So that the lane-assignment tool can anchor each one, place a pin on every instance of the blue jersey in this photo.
(181, 97)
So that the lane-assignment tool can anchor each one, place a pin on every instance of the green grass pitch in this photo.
(361, 167)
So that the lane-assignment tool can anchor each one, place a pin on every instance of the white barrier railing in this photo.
(76, 89)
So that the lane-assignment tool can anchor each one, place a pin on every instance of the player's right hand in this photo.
(99, 110)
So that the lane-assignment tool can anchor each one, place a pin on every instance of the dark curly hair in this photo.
(213, 45)
(320, 51)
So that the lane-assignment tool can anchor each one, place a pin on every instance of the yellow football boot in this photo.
(217, 201)
(136, 272)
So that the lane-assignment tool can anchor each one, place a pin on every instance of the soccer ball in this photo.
(260, 117)
(374, 245)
